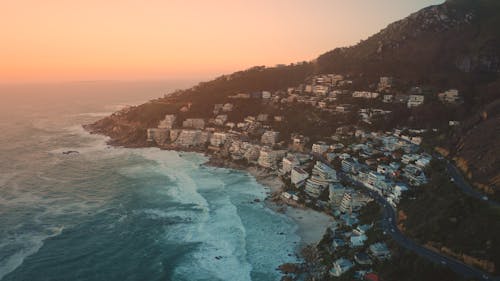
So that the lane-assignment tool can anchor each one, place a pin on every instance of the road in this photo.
(461, 183)
(389, 225)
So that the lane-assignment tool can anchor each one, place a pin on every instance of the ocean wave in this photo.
(26, 245)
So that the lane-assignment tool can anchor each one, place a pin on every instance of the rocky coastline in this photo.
(311, 224)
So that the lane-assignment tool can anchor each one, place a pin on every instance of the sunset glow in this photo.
(85, 40)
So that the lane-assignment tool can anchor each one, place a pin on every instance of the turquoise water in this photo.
(122, 214)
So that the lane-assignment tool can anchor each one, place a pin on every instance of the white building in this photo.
(195, 123)
(220, 119)
(340, 267)
(269, 138)
(289, 162)
(346, 203)
(415, 100)
(268, 158)
(451, 96)
(158, 135)
(168, 122)
(298, 176)
(187, 138)
(322, 177)
(319, 148)
(365, 94)
(388, 98)
(228, 107)
(218, 139)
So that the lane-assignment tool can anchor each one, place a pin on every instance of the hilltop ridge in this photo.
(452, 45)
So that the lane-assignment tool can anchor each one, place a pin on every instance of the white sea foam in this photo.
(28, 244)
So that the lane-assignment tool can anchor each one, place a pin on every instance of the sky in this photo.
(77, 40)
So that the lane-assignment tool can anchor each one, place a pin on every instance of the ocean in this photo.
(108, 213)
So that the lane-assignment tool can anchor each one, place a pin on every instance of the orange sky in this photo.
(63, 40)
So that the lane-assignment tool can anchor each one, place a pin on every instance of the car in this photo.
(485, 198)
(392, 230)
(443, 262)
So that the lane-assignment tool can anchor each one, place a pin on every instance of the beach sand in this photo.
(311, 224)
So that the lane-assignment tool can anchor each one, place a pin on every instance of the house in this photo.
(349, 219)
(331, 156)
(321, 89)
(340, 266)
(358, 241)
(384, 169)
(319, 148)
(228, 107)
(298, 176)
(168, 122)
(262, 117)
(268, 158)
(308, 88)
(345, 204)
(251, 152)
(289, 162)
(362, 229)
(158, 135)
(379, 251)
(218, 139)
(322, 177)
(423, 161)
(371, 277)
(344, 108)
(195, 123)
(189, 138)
(336, 193)
(415, 100)
(450, 97)
(217, 108)
(385, 83)
(338, 242)
(349, 166)
(220, 119)
(416, 140)
(240, 96)
(344, 156)
(364, 94)
(290, 195)
(269, 138)
(362, 258)
(388, 98)
(398, 189)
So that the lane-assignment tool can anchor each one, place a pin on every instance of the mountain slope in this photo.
(453, 45)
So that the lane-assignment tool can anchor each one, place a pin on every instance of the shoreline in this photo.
(311, 224)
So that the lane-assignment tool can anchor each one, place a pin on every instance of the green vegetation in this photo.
(441, 214)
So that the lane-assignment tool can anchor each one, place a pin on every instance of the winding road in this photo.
(389, 226)
(461, 183)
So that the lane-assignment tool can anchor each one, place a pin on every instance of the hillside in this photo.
(453, 45)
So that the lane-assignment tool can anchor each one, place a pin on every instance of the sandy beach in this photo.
(311, 224)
